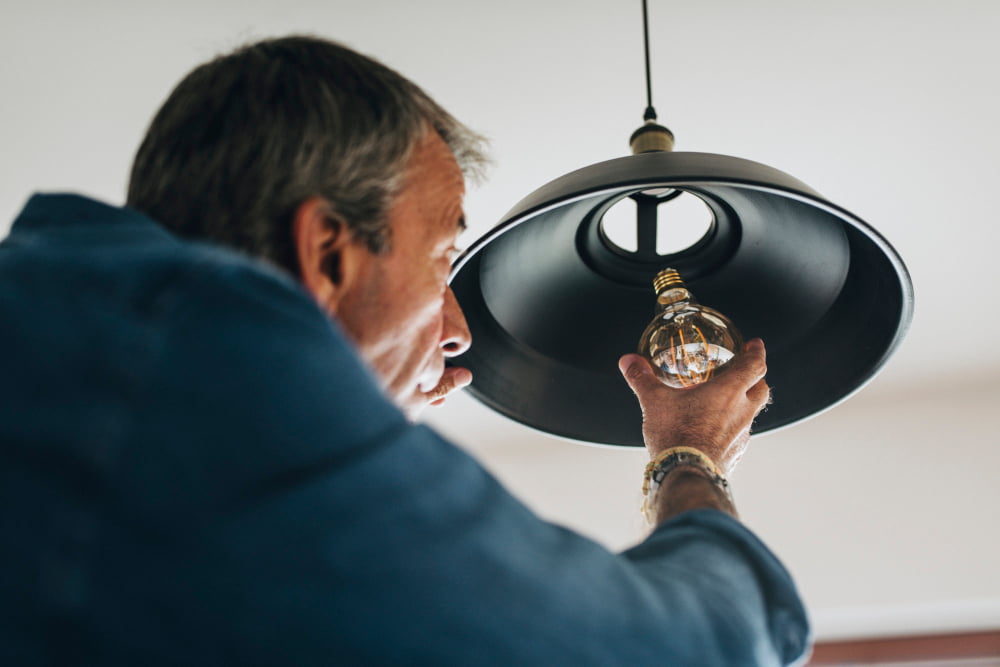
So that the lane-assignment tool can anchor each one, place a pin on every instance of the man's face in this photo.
(403, 315)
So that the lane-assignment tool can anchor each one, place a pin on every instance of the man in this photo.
(199, 465)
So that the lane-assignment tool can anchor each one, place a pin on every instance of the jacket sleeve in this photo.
(307, 522)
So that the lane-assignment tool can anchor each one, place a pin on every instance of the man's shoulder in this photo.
(74, 243)
(111, 274)
(172, 334)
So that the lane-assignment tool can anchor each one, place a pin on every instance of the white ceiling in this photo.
(883, 508)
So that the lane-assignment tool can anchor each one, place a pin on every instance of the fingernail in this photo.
(463, 377)
(754, 344)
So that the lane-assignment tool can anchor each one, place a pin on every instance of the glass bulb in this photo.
(686, 342)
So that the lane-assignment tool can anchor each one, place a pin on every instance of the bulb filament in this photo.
(695, 358)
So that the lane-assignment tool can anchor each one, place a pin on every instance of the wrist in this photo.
(687, 489)
(680, 479)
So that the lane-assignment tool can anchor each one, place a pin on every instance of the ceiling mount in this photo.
(651, 136)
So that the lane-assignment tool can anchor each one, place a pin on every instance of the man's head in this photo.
(324, 162)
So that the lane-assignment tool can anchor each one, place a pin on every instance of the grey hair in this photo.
(244, 139)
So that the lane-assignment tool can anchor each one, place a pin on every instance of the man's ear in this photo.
(326, 252)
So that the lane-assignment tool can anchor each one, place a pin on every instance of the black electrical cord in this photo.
(650, 113)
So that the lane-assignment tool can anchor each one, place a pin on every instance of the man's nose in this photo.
(455, 336)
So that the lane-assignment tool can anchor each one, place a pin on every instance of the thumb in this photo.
(638, 373)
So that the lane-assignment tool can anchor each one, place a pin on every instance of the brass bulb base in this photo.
(651, 138)
(667, 278)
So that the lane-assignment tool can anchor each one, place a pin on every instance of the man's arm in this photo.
(712, 418)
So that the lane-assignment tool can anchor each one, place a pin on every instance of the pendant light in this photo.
(555, 293)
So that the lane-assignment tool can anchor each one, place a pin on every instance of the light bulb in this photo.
(686, 342)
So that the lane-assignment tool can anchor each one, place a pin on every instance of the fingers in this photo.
(714, 417)
(746, 370)
(745, 374)
(759, 395)
(453, 379)
(639, 375)
(750, 370)
(749, 367)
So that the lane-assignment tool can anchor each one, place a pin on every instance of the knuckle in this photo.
(635, 372)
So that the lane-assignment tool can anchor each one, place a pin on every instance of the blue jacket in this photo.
(196, 468)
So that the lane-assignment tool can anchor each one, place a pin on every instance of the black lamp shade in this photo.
(552, 304)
